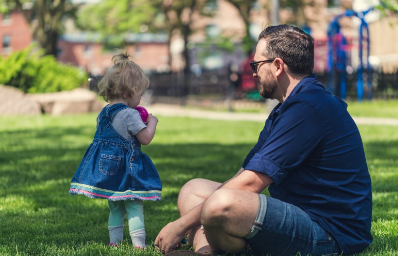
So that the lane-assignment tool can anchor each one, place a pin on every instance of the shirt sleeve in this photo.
(128, 123)
(261, 140)
(293, 135)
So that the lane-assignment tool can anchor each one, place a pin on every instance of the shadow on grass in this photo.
(38, 213)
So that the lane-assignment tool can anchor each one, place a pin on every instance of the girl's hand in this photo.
(145, 136)
(151, 118)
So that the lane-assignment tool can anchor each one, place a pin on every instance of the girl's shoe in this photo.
(112, 244)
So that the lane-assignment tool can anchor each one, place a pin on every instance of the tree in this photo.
(245, 7)
(115, 19)
(388, 6)
(47, 16)
(178, 16)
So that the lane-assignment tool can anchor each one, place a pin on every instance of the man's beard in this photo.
(268, 88)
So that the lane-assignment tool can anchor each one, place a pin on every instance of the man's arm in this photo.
(250, 181)
(174, 232)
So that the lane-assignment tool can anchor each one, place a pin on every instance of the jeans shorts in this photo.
(284, 229)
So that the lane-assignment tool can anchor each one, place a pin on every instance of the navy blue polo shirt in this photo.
(312, 150)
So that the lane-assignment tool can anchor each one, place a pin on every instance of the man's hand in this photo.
(169, 238)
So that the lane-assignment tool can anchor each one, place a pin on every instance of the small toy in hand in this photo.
(143, 113)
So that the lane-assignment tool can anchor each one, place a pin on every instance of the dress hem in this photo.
(130, 196)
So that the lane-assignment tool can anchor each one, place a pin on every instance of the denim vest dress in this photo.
(115, 168)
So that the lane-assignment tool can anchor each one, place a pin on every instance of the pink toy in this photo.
(143, 113)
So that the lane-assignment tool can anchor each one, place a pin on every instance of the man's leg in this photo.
(228, 216)
(192, 194)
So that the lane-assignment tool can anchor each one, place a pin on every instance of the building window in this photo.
(137, 50)
(210, 7)
(6, 41)
(87, 52)
(6, 44)
(6, 19)
(333, 3)
(212, 31)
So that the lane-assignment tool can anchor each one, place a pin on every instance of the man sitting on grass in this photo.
(309, 155)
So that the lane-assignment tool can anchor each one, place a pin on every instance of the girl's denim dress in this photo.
(115, 168)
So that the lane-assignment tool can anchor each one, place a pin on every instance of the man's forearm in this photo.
(191, 219)
(236, 175)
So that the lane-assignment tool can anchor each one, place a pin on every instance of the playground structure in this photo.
(337, 57)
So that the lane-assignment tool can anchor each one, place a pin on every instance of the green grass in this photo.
(39, 155)
(374, 108)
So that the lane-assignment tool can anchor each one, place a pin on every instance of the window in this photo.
(6, 44)
(210, 7)
(213, 31)
(6, 19)
(137, 50)
(333, 3)
(87, 52)
(6, 41)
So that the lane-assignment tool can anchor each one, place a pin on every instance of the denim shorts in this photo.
(284, 229)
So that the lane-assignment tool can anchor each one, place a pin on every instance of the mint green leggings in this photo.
(134, 210)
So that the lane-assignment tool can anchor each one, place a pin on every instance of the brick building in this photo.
(85, 51)
(152, 53)
(15, 33)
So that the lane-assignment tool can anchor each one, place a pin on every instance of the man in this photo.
(310, 156)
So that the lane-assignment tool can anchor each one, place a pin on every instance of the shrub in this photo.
(31, 72)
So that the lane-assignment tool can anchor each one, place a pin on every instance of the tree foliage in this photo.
(115, 19)
(388, 6)
(245, 7)
(30, 72)
(110, 17)
(45, 18)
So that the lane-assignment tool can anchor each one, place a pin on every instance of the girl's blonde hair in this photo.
(123, 80)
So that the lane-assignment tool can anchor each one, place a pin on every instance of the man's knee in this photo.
(217, 208)
(191, 186)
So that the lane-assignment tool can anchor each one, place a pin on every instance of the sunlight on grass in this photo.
(15, 203)
(374, 108)
(39, 155)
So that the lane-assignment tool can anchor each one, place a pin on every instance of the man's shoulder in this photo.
(314, 94)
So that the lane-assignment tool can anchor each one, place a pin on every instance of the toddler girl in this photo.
(114, 167)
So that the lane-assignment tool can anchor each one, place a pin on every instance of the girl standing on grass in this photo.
(114, 167)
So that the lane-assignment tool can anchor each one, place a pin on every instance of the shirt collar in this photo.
(311, 79)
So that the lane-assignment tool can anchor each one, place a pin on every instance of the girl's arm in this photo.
(145, 136)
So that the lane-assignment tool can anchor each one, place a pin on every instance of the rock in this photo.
(15, 102)
(76, 101)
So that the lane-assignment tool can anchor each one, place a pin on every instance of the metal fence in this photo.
(216, 89)
(375, 84)
(211, 88)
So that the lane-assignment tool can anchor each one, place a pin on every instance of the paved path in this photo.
(176, 110)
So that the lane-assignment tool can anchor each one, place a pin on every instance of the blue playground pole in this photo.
(334, 29)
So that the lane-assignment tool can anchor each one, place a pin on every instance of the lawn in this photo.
(39, 155)
(374, 108)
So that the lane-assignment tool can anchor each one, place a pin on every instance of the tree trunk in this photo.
(48, 22)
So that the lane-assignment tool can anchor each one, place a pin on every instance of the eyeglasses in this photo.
(254, 64)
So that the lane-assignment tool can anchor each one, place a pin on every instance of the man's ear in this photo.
(280, 68)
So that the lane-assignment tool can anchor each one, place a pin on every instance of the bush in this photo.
(31, 72)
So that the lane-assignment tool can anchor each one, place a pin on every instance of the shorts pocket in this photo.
(109, 164)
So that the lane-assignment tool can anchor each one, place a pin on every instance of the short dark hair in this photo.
(292, 45)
